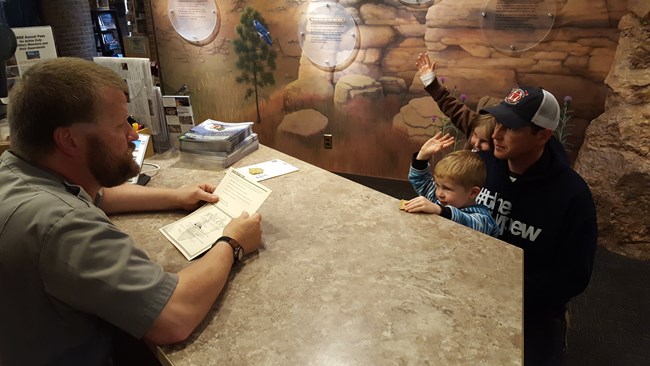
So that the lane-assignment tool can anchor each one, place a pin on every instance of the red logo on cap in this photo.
(515, 96)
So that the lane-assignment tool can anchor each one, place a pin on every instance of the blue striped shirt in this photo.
(476, 216)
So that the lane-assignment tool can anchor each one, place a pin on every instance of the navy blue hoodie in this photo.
(549, 213)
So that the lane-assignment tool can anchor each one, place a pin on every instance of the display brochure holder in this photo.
(162, 141)
(142, 103)
(108, 35)
(179, 117)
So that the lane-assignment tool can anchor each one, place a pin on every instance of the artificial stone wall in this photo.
(615, 156)
(597, 52)
(573, 60)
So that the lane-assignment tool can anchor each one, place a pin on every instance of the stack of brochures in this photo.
(218, 143)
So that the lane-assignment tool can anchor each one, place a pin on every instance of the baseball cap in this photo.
(525, 106)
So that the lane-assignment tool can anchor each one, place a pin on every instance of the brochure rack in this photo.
(108, 36)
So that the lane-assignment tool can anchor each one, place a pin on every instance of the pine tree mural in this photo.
(256, 60)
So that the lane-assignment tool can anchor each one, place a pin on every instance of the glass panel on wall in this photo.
(328, 35)
(195, 20)
(517, 25)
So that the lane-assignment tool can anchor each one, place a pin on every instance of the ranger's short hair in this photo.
(56, 93)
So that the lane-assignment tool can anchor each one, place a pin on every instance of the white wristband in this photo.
(427, 78)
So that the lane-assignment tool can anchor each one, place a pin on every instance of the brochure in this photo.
(106, 21)
(209, 160)
(218, 135)
(267, 169)
(197, 232)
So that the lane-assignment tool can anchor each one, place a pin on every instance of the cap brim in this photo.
(506, 116)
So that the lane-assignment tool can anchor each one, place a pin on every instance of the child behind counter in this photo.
(479, 127)
(451, 192)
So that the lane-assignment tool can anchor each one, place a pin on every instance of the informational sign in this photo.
(328, 35)
(517, 25)
(33, 44)
(196, 21)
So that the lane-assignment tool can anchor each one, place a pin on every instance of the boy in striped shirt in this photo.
(451, 192)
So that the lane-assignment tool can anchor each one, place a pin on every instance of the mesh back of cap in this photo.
(548, 113)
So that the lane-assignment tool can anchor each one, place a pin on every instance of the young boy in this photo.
(457, 180)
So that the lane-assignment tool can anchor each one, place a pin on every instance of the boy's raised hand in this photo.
(424, 64)
(434, 145)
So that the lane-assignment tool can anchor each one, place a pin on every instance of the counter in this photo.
(346, 278)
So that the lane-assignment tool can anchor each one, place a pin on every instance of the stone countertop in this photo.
(346, 278)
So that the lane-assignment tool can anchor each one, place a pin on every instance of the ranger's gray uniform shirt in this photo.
(65, 271)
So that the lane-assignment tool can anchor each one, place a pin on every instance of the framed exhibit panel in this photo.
(328, 35)
(196, 21)
(516, 26)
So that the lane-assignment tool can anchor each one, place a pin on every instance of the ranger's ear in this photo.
(67, 140)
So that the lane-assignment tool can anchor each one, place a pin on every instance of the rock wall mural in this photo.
(373, 104)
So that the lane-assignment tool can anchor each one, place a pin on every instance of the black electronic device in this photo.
(143, 179)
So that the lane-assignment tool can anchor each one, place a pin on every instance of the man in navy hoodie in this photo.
(544, 207)
(540, 204)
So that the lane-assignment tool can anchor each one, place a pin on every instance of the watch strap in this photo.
(237, 249)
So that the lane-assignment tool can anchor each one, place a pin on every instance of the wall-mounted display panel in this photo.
(196, 21)
(328, 35)
(516, 25)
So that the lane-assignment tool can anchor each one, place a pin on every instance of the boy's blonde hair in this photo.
(463, 167)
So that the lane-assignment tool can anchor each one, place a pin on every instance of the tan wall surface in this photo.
(573, 60)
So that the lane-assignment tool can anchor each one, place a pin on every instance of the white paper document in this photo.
(198, 231)
(267, 169)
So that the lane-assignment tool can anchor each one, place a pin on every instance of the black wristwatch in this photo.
(237, 249)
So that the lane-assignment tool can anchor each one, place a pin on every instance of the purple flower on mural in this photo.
(563, 130)
(434, 119)
(442, 79)
(463, 97)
